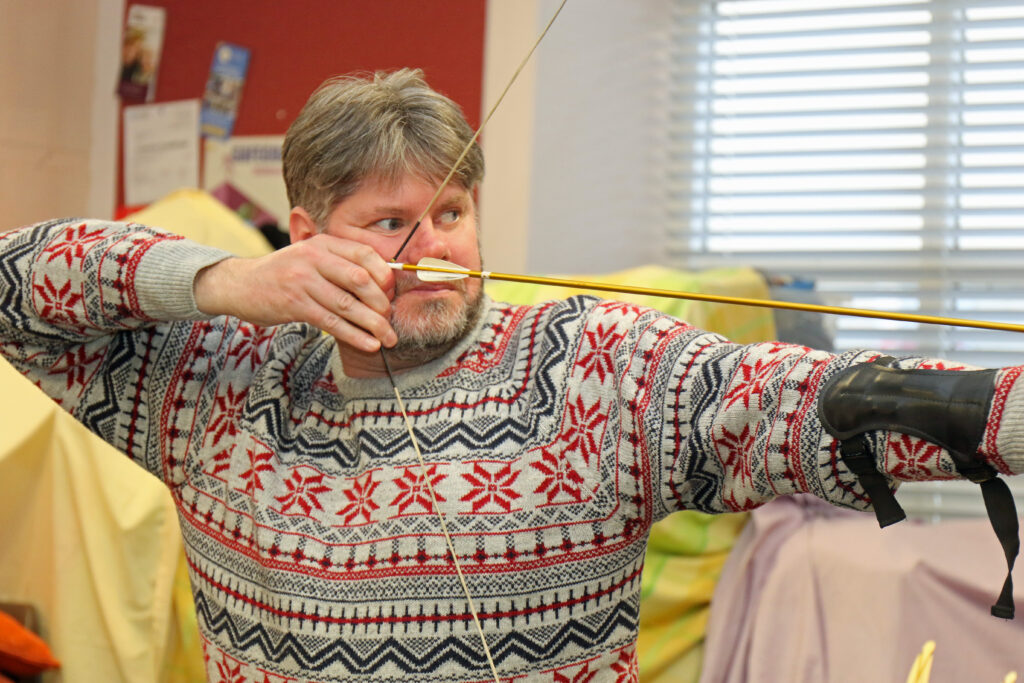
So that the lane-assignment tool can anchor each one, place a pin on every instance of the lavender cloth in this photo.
(813, 593)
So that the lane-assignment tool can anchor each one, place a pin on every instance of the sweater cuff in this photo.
(166, 276)
(1003, 443)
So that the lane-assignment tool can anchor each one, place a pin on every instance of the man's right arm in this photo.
(69, 288)
(102, 316)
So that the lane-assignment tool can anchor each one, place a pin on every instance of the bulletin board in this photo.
(295, 46)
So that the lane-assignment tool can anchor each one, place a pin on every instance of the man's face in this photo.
(429, 317)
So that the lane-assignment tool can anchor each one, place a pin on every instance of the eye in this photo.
(388, 225)
(450, 216)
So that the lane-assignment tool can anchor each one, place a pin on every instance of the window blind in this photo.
(872, 147)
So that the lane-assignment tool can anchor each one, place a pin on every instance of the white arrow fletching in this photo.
(432, 276)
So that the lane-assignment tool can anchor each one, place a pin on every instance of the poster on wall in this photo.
(244, 173)
(224, 90)
(161, 150)
(141, 45)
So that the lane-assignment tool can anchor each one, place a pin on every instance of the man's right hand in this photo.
(342, 287)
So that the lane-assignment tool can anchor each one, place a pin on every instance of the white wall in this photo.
(597, 202)
(57, 118)
(505, 193)
(574, 164)
(106, 69)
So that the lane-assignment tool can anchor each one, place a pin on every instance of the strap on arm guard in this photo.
(946, 407)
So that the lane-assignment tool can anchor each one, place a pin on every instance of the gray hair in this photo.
(384, 126)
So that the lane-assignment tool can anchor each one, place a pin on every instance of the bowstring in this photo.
(444, 525)
(394, 385)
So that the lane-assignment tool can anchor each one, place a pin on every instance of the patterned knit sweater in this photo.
(554, 435)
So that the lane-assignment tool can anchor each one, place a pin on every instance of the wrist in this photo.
(208, 286)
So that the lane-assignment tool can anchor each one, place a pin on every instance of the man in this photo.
(553, 436)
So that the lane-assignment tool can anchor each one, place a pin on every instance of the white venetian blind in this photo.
(874, 147)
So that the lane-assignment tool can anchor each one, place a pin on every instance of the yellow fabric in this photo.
(921, 671)
(90, 539)
(741, 324)
(687, 550)
(184, 661)
(201, 218)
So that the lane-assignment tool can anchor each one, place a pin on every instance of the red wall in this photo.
(296, 44)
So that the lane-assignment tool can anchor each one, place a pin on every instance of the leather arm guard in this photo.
(946, 407)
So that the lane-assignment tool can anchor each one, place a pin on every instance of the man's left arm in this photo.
(737, 425)
(744, 424)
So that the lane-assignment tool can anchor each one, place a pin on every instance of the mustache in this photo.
(405, 281)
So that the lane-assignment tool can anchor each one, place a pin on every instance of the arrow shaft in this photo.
(720, 299)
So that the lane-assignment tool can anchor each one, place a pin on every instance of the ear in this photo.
(301, 225)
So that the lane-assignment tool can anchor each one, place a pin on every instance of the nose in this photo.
(427, 242)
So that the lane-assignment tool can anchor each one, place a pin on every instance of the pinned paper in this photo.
(161, 150)
(224, 90)
(245, 173)
(140, 53)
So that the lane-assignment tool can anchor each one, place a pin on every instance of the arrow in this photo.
(437, 270)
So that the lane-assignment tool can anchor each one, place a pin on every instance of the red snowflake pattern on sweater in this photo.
(221, 462)
(229, 670)
(251, 346)
(733, 450)
(737, 501)
(226, 414)
(360, 506)
(627, 668)
(600, 346)
(260, 461)
(585, 426)
(624, 308)
(576, 673)
(941, 365)
(751, 381)
(562, 483)
(73, 244)
(492, 491)
(914, 459)
(304, 488)
(413, 492)
(76, 365)
(57, 303)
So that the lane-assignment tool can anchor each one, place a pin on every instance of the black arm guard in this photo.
(948, 408)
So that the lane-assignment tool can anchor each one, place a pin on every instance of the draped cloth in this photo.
(90, 539)
(815, 593)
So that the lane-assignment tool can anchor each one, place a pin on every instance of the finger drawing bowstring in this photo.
(394, 385)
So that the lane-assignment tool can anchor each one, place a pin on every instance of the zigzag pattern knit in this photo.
(554, 435)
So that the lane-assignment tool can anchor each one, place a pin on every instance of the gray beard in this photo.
(420, 342)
